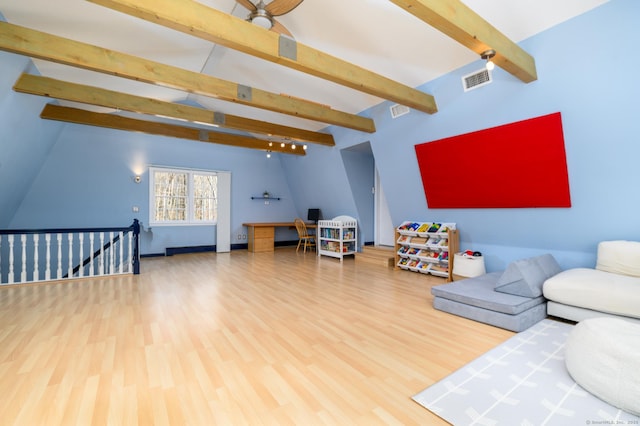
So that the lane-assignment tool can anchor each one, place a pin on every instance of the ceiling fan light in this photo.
(262, 21)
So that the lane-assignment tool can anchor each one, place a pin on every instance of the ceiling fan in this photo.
(263, 15)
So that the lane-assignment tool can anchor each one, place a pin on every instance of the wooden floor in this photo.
(231, 339)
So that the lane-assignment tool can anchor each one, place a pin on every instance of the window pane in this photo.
(171, 192)
(204, 197)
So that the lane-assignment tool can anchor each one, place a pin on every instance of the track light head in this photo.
(487, 55)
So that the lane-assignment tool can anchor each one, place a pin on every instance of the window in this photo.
(182, 197)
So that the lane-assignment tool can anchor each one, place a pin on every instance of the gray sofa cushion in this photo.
(479, 292)
(525, 277)
(517, 323)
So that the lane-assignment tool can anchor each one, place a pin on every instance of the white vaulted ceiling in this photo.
(376, 35)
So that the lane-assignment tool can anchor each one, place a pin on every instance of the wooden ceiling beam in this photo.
(458, 21)
(58, 89)
(111, 121)
(196, 19)
(36, 44)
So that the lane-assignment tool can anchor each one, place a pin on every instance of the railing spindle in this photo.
(47, 271)
(81, 254)
(91, 254)
(111, 254)
(59, 271)
(23, 242)
(70, 267)
(11, 278)
(36, 266)
(130, 252)
(120, 249)
(101, 271)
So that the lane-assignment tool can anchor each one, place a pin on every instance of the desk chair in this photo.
(304, 237)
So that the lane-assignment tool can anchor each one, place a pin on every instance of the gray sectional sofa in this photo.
(511, 299)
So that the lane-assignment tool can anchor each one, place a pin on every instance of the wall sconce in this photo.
(488, 55)
(137, 179)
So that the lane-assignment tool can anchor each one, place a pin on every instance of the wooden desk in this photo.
(261, 235)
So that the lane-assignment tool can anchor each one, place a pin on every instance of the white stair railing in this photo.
(81, 252)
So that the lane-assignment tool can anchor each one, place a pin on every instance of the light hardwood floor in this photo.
(231, 339)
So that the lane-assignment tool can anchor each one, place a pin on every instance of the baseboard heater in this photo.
(170, 251)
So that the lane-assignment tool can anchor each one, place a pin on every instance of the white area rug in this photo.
(523, 381)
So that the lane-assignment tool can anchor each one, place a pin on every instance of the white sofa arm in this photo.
(619, 257)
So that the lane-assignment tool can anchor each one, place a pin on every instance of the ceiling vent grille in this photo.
(397, 110)
(476, 79)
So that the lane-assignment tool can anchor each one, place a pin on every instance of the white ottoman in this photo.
(603, 356)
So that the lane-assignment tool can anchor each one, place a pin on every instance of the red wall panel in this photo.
(521, 164)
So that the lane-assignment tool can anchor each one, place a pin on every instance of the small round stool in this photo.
(603, 356)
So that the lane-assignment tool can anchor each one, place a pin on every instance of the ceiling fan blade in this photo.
(280, 29)
(247, 4)
(280, 7)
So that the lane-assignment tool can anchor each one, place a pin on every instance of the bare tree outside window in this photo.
(183, 197)
(205, 201)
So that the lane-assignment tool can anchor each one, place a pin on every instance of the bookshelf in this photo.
(337, 237)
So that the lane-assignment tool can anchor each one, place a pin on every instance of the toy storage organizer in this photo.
(425, 247)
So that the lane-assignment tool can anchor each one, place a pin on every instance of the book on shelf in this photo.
(434, 227)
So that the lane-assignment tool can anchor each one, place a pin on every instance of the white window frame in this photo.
(190, 219)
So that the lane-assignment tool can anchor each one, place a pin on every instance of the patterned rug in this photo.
(521, 382)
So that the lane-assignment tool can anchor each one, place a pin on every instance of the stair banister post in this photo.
(136, 247)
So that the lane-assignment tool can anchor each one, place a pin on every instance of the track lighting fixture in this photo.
(488, 55)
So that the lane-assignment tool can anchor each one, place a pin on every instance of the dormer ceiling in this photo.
(346, 56)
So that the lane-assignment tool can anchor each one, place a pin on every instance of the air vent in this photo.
(476, 79)
(397, 110)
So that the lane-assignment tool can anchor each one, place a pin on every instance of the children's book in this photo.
(434, 227)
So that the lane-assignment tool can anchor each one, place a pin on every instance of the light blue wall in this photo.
(25, 140)
(587, 70)
(88, 180)
(319, 180)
